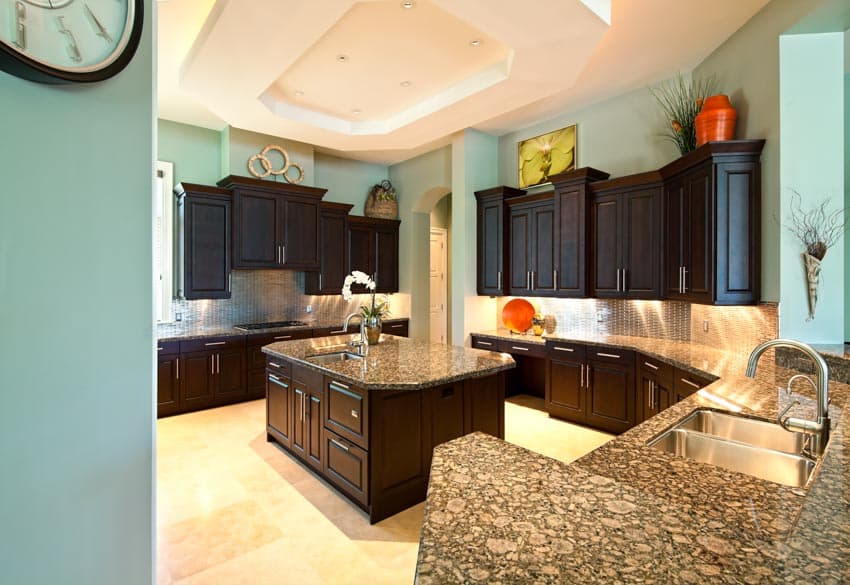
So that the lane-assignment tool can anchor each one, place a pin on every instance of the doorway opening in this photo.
(438, 289)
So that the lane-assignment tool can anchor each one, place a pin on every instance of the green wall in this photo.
(76, 315)
(243, 144)
(195, 152)
(347, 180)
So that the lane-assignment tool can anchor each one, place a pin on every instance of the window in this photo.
(163, 237)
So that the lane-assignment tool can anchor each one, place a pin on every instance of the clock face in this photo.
(68, 40)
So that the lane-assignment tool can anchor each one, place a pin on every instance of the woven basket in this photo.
(381, 209)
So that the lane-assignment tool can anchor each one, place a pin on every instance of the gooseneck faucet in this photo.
(362, 345)
(818, 429)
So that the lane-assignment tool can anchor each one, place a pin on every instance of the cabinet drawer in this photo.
(261, 339)
(347, 411)
(337, 330)
(400, 329)
(686, 383)
(167, 347)
(522, 348)
(561, 350)
(482, 343)
(212, 344)
(654, 367)
(347, 467)
(611, 354)
(278, 366)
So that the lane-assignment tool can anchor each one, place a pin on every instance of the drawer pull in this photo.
(340, 445)
(487, 343)
(649, 365)
(275, 380)
(159, 349)
(609, 355)
(355, 414)
(691, 384)
(336, 332)
(519, 348)
(340, 384)
(283, 337)
(344, 390)
(399, 326)
(556, 348)
(274, 365)
(210, 344)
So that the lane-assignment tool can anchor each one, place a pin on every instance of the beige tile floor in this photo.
(233, 509)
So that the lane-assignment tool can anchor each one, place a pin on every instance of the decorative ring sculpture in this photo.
(268, 168)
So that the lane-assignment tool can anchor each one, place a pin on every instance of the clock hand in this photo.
(100, 30)
(73, 49)
(20, 27)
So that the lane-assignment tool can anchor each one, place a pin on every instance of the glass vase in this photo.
(373, 330)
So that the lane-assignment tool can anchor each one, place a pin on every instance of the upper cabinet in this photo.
(712, 202)
(625, 219)
(275, 225)
(203, 242)
(491, 239)
(333, 253)
(532, 245)
(372, 247)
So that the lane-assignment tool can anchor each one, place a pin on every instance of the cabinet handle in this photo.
(618, 280)
(340, 384)
(283, 254)
(684, 279)
(680, 280)
(532, 280)
(275, 380)
(320, 281)
(582, 376)
(177, 369)
(340, 445)
(218, 363)
(555, 279)
(625, 288)
(229, 281)
(355, 414)
(273, 377)
(499, 279)
(487, 343)
(398, 326)
(159, 349)
(283, 337)
(651, 366)
(215, 343)
(212, 365)
(608, 355)
(340, 331)
(301, 409)
(691, 384)
(278, 253)
(519, 348)
(528, 279)
(649, 397)
(274, 365)
(556, 348)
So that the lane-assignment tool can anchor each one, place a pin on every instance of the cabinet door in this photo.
(521, 250)
(298, 222)
(543, 263)
(386, 260)
(315, 445)
(255, 217)
(279, 407)
(611, 396)
(571, 218)
(207, 248)
(332, 257)
(197, 380)
(738, 202)
(565, 392)
(654, 387)
(361, 252)
(699, 250)
(685, 384)
(230, 375)
(484, 405)
(674, 239)
(300, 431)
(168, 384)
(606, 238)
(641, 245)
(490, 247)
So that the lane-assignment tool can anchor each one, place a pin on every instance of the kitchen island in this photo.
(368, 425)
(629, 513)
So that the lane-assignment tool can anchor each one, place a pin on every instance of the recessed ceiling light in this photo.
(406, 83)
(355, 111)
(408, 5)
(475, 43)
(299, 93)
(342, 58)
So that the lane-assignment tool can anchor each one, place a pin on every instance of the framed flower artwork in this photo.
(546, 155)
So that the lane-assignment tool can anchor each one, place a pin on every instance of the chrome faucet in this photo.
(819, 430)
(362, 345)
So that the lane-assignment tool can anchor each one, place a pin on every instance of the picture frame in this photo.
(540, 157)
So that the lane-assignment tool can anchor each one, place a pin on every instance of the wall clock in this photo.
(68, 41)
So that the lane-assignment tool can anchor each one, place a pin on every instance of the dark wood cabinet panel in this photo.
(307, 396)
(386, 260)
(520, 250)
(447, 413)
(372, 246)
(230, 376)
(255, 243)
(333, 251)
(543, 263)
(400, 329)
(687, 383)
(674, 241)
(347, 467)
(361, 252)
(347, 412)
(484, 405)
(565, 392)
(654, 387)
(605, 212)
(168, 384)
(279, 407)
(203, 242)
(611, 395)
(299, 233)
(533, 252)
(300, 431)
(699, 240)
(197, 384)
(315, 443)
(492, 239)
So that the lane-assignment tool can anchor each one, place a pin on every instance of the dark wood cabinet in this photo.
(491, 239)
(687, 383)
(565, 390)
(333, 259)
(279, 407)
(626, 237)
(307, 395)
(255, 359)
(275, 225)
(532, 245)
(230, 376)
(197, 384)
(347, 467)
(712, 202)
(571, 201)
(654, 387)
(399, 329)
(203, 242)
(372, 247)
(168, 381)
(212, 372)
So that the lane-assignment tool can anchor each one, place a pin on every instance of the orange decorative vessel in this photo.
(517, 315)
(716, 120)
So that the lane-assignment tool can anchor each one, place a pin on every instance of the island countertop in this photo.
(631, 514)
(396, 363)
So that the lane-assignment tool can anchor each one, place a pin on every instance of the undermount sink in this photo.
(337, 356)
(753, 447)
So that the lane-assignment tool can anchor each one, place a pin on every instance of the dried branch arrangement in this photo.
(817, 228)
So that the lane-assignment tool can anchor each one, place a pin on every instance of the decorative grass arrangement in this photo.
(681, 100)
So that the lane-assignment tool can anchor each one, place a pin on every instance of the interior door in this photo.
(437, 278)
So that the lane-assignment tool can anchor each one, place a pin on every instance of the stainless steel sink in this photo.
(754, 447)
(337, 356)
(758, 433)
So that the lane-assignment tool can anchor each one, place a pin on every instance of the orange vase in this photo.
(716, 120)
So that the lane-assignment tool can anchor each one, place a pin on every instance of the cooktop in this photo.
(270, 325)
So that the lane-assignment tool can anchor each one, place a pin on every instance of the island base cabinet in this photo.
(347, 467)
(279, 409)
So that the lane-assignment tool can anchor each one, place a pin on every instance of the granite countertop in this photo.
(180, 331)
(396, 362)
(629, 513)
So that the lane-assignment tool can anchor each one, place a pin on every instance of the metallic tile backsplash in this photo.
(272, 295)
(729, 328)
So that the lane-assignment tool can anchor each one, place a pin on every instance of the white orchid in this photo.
(356, 277)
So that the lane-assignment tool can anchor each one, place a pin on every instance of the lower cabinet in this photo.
(212, 378)
(654, 387)
(279, 407)
(686, 383)
(307, 396)
(347, 467)
(168, 383)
